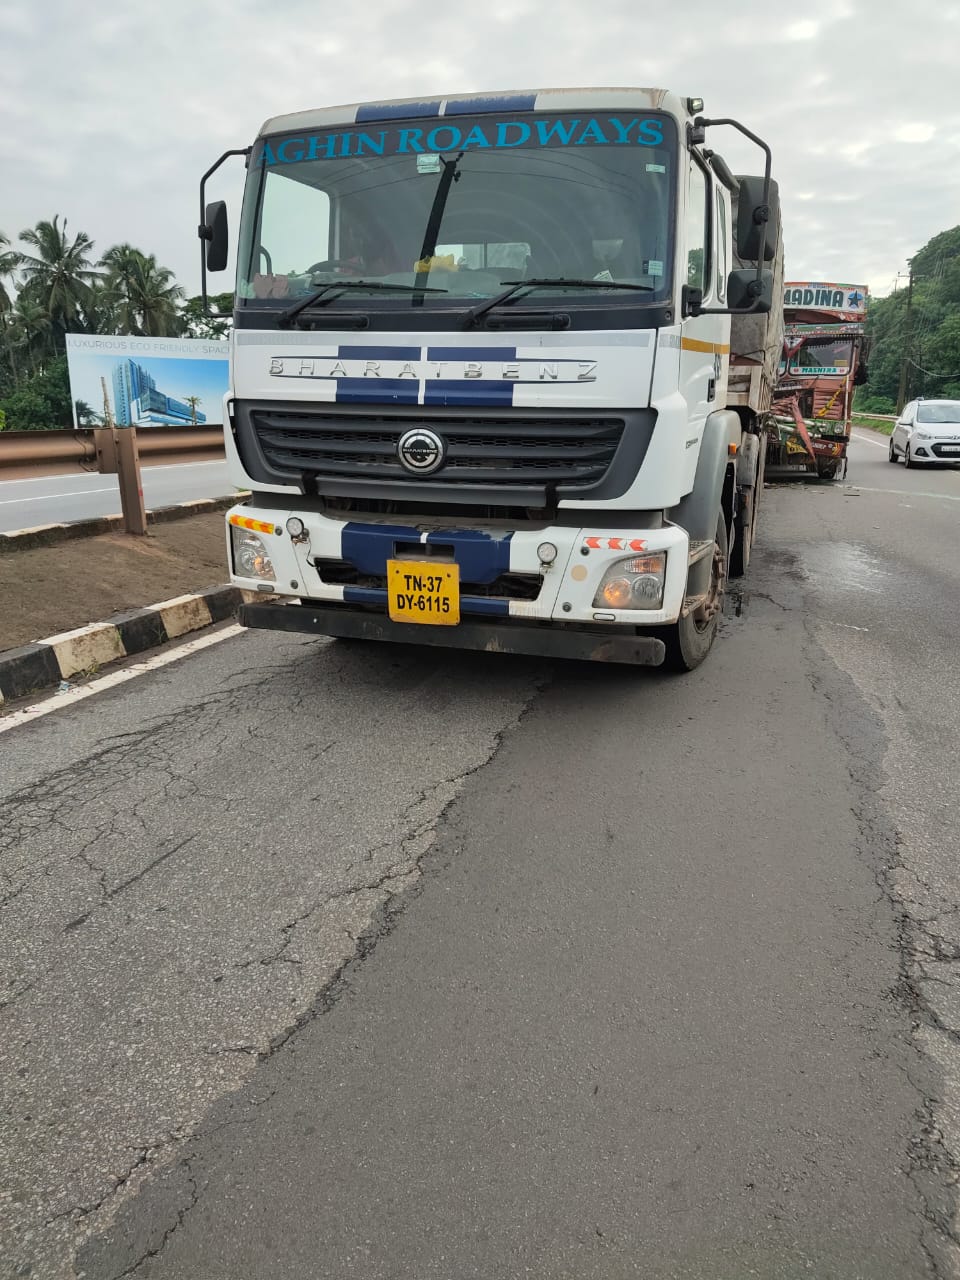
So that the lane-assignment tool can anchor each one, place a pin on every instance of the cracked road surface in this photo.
(334, 961)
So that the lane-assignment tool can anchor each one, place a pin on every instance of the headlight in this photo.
(250, 558)
(634, 583)
(924, 435)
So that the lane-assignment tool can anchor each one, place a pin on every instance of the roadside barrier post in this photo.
(118, 454)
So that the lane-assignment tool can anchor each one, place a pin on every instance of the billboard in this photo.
(147, 382)
(847, 302)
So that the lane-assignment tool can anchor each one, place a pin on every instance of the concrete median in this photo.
(35, 668)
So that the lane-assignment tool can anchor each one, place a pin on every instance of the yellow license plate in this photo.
(423, 591)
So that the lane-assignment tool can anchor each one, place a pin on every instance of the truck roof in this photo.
(497, 101)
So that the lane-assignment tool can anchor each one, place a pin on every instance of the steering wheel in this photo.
(330, 264)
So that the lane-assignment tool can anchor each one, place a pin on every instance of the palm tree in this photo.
(29, 335)
(58, 276)
(141, 295)
(158, 296)
(193, 401)
(8, 264)
(120, 264)
(85, 415)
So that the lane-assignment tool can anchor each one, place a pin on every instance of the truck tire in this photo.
(739, 557)
(690, 639)
(745, 530)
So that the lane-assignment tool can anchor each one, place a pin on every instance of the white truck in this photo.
(500, 369)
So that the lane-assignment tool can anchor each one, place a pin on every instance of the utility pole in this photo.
(906, 345)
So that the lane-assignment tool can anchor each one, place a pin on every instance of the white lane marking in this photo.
(867, 440)
(58, 701)
(847, 626)
(910, 493)
(45, 497)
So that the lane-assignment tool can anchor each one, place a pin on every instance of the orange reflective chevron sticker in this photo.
(255, 526)
(615, 544)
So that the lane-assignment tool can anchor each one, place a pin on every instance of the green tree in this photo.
(8, 265)
(197, 325)
(140, 297)
(42, 401)
(86, 417)
(920, 338)
(59, 277)
(193, 401)
(120, 264)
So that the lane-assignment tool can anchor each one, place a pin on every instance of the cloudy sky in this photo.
(111, 113)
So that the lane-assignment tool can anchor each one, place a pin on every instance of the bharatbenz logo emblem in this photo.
(420, 451)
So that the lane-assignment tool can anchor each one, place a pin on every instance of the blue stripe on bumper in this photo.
(480, 557)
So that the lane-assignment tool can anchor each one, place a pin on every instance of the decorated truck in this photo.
(500, 369)
(824, 359)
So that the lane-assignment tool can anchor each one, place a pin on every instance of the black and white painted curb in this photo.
(48, 535)
(34, 668)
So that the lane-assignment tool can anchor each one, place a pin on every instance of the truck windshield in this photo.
(453, 210)
(822, 357)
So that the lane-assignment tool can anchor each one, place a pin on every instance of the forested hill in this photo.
(926, 333)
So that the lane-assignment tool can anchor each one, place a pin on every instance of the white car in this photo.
(928, 431)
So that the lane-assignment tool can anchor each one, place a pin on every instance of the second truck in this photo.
(501, 367)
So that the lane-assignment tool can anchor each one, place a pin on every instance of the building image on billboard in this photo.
(137, 400)
(147, 382)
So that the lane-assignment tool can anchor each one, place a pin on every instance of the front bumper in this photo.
(562, 592)
(498, 637)
(935, 452)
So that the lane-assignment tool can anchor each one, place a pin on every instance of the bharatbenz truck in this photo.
(500, 369)
(825, 350)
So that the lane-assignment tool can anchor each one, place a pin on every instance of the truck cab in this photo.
(480, 373)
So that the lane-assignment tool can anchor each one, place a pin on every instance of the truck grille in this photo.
(480, 450)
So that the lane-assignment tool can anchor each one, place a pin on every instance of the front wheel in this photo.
(690, 639)
(908, 462)
(892, 454)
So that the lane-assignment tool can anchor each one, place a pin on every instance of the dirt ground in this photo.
(52, 589)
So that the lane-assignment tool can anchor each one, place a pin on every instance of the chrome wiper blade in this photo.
(323, 296)
(515, 287)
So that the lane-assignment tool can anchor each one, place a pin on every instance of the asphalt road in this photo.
(331, 961)
(54, 499)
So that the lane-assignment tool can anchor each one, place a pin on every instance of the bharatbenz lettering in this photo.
(500, 369)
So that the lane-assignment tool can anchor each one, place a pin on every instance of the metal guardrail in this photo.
(24, 454)
(118, 451)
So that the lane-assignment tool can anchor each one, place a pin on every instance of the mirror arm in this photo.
(761, 215)
(205, 231)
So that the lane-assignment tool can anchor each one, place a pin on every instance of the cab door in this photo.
(704, 340)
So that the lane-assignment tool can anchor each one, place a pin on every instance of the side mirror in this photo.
(758, 224)
(214, 231)
(745, 292)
